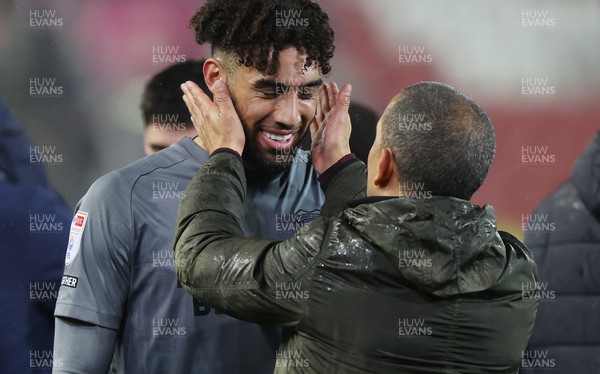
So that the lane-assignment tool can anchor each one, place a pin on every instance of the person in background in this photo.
(166, 119)
(34, 223)
(564, 238)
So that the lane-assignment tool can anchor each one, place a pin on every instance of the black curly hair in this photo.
(257, 30)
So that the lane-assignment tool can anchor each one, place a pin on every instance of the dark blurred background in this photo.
(73, 73)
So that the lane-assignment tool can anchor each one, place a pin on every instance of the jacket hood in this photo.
(443, 246)
(586, 176)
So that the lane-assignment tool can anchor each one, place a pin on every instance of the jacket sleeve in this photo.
(257, 280)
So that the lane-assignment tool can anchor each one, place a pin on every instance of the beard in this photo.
(265, 160)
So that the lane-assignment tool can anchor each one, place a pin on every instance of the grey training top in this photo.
(120, 272)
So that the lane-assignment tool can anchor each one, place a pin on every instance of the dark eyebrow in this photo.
(272, 83)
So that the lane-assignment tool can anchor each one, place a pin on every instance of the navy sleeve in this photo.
(33, 235)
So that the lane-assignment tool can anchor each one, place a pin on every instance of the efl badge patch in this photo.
(77, 227)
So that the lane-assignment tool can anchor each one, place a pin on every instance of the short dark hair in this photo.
(440, 138)
(162, 94)
(257, 30)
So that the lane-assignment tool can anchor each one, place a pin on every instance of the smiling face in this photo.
(275, 110)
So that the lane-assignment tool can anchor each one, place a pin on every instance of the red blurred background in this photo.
(103, 53)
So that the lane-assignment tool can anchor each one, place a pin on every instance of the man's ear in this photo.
(213, 71)
(386, 169)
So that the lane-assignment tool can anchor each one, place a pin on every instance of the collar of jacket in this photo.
(368, 200)
(444, 246)
(586, 176)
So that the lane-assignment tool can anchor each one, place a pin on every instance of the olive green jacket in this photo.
(394, 286)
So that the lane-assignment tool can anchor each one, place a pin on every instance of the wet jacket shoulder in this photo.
(564, 237)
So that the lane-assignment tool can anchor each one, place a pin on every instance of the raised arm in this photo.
(241, 277)
(250, 279)
(343, 177)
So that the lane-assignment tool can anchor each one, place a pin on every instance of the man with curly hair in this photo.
(120, 292)
(262, 62)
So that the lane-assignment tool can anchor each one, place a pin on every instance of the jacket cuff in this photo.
(333, 170)
(227, 150)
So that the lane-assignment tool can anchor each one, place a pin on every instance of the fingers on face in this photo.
(327, 96)
(314, 127)
(324, 99)
(199, 99)
(330, 102)
(344, 95)
(189, 107)
(195, 99)
(221, 91)
(188, 98)
(332, 93)
(319, 111)
(317, 118)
